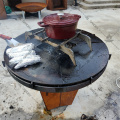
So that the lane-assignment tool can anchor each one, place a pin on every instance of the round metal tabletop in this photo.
(56, 73)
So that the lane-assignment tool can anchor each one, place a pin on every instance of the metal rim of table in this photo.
(56, 88)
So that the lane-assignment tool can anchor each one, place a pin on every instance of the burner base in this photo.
(54, 100)
(27, 14)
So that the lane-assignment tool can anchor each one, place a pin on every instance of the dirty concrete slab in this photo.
(100, 98)
(82, 105)
(16, 103)
(104, 21)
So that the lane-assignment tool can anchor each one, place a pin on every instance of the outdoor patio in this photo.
(102, 98)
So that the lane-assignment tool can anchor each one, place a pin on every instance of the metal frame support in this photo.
(39, 14)
(23, 13)
(76, 3)
(110, 56)
(3, 63)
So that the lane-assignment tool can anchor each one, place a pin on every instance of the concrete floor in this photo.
(102, 98)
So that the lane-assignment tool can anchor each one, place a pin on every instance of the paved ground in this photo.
(102, 0)
(101, 98)
(99, 4)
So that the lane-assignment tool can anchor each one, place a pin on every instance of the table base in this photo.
(54, 100)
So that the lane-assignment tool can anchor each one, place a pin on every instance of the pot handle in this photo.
(41, 24)
(5, 37)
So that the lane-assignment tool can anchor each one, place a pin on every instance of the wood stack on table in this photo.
(56, 4)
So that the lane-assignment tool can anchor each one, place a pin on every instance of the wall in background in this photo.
(70, 2)
(5, 2)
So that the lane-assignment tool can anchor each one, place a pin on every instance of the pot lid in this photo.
(61, 19)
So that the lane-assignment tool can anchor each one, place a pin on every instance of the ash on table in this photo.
(85, 117)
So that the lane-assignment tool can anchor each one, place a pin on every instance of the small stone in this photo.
(11, 107)
(4, 101)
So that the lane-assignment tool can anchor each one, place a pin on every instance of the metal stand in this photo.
(63, 46)
(76, 3)
(23, 13)
(54, 100)
(39, 14)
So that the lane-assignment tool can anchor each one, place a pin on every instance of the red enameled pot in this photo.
(60, 26)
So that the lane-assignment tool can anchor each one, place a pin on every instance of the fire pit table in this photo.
(57, 79)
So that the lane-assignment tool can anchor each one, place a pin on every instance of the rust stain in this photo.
(61, 116)
(38, 115)
(47, 112)
(41, 116)
(46, 115)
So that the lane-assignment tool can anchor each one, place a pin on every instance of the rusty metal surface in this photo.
(56, 72)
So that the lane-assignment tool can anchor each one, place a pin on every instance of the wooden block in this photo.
(49, 4)
(67, 97)
(3, 14)
(54, 100)
(65, 4)
(51, 100)
(56, 4)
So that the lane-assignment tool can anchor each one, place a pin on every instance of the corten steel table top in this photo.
(31, 6)
(55, 73)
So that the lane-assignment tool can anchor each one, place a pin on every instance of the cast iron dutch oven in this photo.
(60, 26)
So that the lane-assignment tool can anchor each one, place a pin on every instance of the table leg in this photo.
(23, 13)
(76, 3)
(54, 100)
(39, 14)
